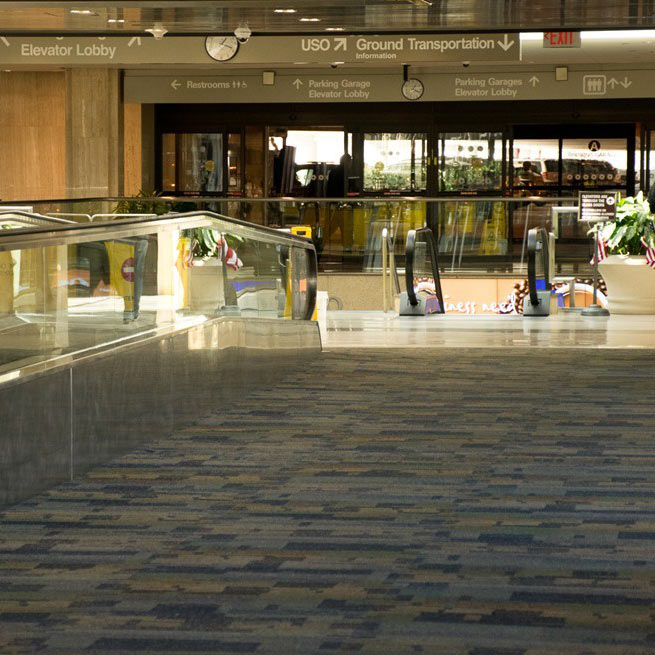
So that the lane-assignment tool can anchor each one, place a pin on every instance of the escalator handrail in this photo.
(312, 285)
(410, 251)
(31, 219)
(536, 236)
(97, 230)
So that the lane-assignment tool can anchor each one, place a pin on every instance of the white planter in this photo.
(206, 285)
(630, 284)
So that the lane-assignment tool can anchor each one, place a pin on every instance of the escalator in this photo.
(540, 297)
(424, 294)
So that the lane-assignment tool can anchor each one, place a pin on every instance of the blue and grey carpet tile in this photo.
(481, 502)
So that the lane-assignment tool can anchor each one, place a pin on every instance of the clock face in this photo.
(412, 89)
(221, 48)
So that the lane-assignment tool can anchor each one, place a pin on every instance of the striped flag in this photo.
(650, 254)
(601, 250)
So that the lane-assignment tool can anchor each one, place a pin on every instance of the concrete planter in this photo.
(630, 284)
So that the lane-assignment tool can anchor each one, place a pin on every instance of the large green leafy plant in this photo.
(631, 229)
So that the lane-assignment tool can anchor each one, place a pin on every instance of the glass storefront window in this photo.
(316, 145)
(306, 162)
(192, 163)
(536, 164)
(470, 161)
(594, 162)
(168, 163)
(234, 163)
(395, 162)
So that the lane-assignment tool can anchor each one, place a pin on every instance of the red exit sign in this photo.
(562, 40)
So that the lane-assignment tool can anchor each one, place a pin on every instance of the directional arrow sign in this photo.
(366, 86)
(383, 50)
(376, 49)
(505, 44)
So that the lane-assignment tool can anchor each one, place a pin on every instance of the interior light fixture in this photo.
(115, 20)
(85, 12)
(309, 20)
(599, 35)
(158, 31)
(285, 11)
(334, 29)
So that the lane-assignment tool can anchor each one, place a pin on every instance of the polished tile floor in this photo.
(351, 329)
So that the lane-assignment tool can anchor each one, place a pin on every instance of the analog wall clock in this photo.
(412, 89)
(221, 48)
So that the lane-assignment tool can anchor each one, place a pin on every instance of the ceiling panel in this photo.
(210, 16)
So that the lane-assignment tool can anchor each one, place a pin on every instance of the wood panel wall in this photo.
(32, 135)
(132, 141)
(94, 133)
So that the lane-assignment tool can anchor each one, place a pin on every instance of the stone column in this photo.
(94, 133)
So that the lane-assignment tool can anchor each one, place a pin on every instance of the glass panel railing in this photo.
(68, 288)
(474, 235)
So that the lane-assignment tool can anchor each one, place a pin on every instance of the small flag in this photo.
(650, 254)
(601, 250)
(230, 257)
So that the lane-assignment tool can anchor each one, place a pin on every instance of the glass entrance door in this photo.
(561, 161)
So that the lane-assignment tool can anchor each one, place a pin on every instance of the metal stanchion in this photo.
(385, 297)
(595, 309)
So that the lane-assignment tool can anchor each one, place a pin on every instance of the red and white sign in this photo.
(127, 269)
(562, 40)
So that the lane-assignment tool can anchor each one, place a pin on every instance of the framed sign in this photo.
(597, 206)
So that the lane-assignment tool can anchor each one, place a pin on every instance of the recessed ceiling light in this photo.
(310, 20)
(85, 12)
(115, 20)
(285, 11)
(334, 29)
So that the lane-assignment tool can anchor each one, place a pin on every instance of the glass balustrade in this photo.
(477, 235)
(67, 288)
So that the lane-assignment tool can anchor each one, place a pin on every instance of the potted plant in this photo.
(626, 270)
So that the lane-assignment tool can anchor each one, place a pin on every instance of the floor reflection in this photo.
(351, 329)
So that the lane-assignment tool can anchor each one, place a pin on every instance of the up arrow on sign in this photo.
(505, 44)
(297, 83)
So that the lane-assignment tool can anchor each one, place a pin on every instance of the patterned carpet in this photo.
(452, 501)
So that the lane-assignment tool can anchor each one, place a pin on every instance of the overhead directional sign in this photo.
(264, 50)
(388, 49)
(372, 86)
